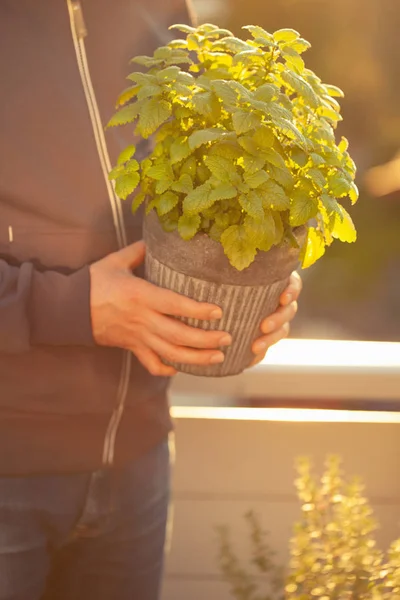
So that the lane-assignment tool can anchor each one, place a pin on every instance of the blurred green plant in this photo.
(333, 551)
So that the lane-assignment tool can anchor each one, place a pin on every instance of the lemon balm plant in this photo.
(245, 179)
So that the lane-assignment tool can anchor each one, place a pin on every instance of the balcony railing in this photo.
(234, 458)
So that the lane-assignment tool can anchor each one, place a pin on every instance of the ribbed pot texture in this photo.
(200, 270)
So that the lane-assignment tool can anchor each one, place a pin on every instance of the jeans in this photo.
(96, 536)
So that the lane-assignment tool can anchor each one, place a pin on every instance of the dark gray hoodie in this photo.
(65, 403)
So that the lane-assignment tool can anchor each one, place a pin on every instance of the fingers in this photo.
(180, 354)
(170, 303)
(293, 290)
(179, 334)
(152, 363)
(261, 345)
(284, 314)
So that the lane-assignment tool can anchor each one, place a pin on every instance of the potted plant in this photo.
(245, 174)
(333, 550)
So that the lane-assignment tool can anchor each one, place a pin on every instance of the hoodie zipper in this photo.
(79, 32)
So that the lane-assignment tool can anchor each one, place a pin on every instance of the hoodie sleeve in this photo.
(43, 308)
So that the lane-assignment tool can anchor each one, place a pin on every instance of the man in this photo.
(84, 415)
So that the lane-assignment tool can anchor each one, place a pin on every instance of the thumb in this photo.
(132, 256)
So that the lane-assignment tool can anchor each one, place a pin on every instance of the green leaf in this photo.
(203, 136)
(215, 232)
(138, 201)
(153, 114)
(282, 176)
(329, 113)
(331, 205)
(353, 193)
(261, 232)
(163, 185)
(248, 144)
(266, 92)
(248, 57)
(293, 58)
(233, 44)
(343, 144)
(302, 87)
(145, 61)
(198, 199)
(264, 137)
(317, 159)
(338, 185)
(166, 202)
(257, 31)
(292, 132)
(220, 167)
(279, 229)
(188, 226)
(240, 89)
(223, 191)
(223, 220)
(299, 157)
(149, 91)
(213, 30)
(168, 74)
(131, 166)
(252, 205)
(317, 177)
(256, 179)
(116, 172)
(334, 91)
(126, 184)
(179, 150)
(344, 229)
(127, 95)
(142, 78)
(184, 185)
(274, 196)
(202, 173)
(244, 121)
(315, 247)
(177, 44)
(237, 247)
(189, 167)
(229, 150)
(273, 157)
(150, 205)
(286, 35)
(300, 45)
(182, 27)
(207, 105)
(126, 154)
(224, 92)
(271, 110)
(126, 115)
(251, 164)
(160, 171)
(303, 208)
(193, 42)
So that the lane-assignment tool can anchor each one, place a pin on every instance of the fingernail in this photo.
(226, 340)
(260, 347)
(268, 326)
(217, 358)
(216, 314)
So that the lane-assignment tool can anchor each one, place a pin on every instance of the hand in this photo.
(131, 313)
(276, 327)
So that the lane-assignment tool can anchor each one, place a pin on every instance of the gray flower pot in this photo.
(199, 269)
